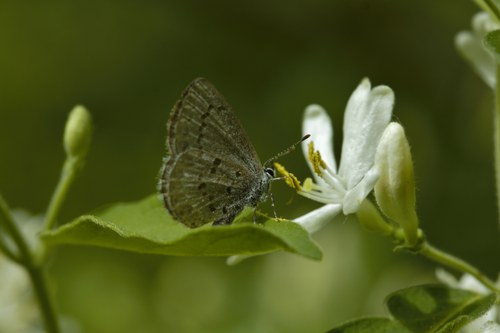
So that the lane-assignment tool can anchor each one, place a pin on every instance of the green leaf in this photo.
(492, 43)
(437, 308)
(371, 325)
(145, 226)
(433, 308)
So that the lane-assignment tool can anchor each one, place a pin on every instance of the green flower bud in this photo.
(369, 217)
(395, 189)
(78, 132)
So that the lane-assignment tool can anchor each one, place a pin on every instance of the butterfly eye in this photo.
(269, 172)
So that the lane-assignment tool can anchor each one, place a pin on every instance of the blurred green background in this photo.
(128, 62)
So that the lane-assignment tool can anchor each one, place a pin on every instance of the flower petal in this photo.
(470, 45)
(483, 324)
(482, 23)
(489, 327)
(317, 123)
(395, 189)
(483, 63)
(316, 219)
(368, 113)
(355, 196)
(447, 278)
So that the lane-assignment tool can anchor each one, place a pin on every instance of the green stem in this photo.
(35, 272)
(68, 174)
(7, 221)
(39, 282)
(493, 7)
(446, 259)
(8, 252)
(497, 139)
(4, 217)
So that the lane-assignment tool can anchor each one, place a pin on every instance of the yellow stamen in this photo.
(316, 160)
(289, 177)
(310, 151)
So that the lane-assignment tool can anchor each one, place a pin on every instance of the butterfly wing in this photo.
(212, 170)
(203, 119)
(202, 187)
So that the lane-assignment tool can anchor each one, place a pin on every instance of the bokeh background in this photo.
(128, 62)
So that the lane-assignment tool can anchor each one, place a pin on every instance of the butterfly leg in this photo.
(272, 204)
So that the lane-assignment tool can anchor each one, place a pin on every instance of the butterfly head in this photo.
(270, 173)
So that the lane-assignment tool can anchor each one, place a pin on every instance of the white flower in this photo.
(470, 45)
(367, 114)
(488, 322)
(18, 309)
(489, 327)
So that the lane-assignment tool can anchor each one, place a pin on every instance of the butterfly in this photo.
(212, 171)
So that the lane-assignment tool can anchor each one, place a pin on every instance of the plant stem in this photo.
(35, 272)
(497, 139)
(8, 252)
(4, 216)
(69, 171)
(446, 259)
(39, 282)
(7, 221)
(493, 7)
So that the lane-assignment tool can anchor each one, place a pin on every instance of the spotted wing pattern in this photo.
(212, 170)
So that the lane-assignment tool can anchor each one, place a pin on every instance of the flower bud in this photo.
(78, 132)
(395, 189)
(471, 45)
(370, 218)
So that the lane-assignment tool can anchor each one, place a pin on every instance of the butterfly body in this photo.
(212, 170)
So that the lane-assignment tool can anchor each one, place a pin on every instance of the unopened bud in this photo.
(369, 217)
(78, 132)
(395, 189)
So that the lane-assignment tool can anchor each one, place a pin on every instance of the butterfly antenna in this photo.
(286, 151)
